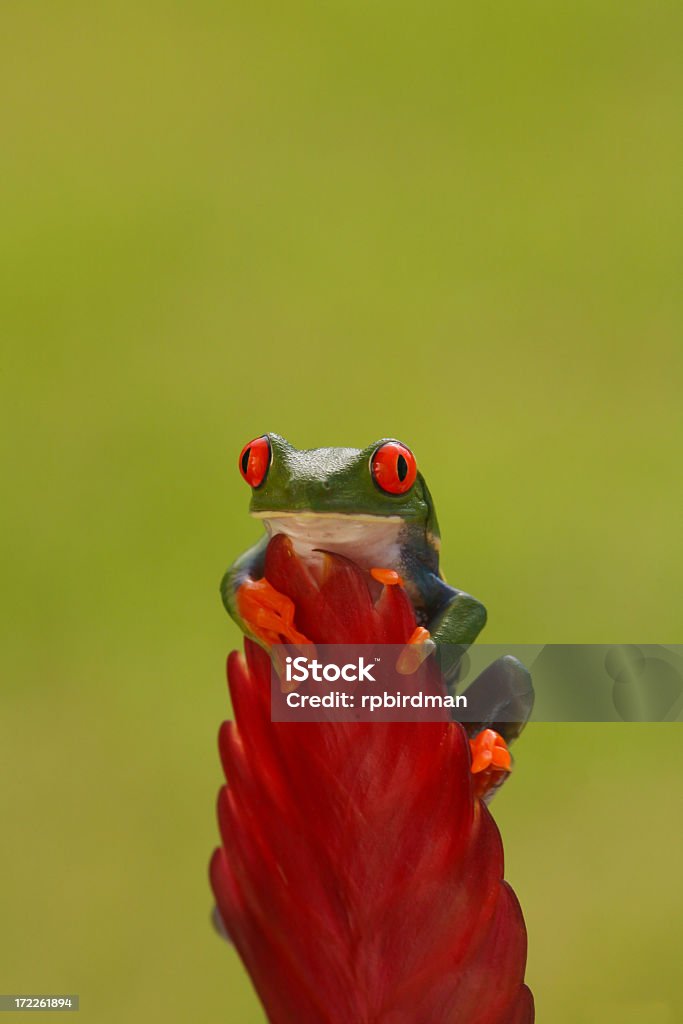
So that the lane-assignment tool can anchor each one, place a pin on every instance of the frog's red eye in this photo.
(394, 468)
(254, 461)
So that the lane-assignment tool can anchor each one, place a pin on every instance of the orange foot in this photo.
(491, 763)
(267, 613)
(489, 749)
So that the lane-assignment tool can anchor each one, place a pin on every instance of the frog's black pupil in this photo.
(402, 468)
(245, 460)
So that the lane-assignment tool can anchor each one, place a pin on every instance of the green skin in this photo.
(327, 493)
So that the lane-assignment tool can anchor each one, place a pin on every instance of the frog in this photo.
(373, 506)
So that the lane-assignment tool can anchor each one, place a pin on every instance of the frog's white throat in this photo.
(370, 541)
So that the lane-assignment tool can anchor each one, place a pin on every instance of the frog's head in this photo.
(355, 501)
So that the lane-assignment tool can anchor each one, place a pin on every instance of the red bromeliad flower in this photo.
(360, 875)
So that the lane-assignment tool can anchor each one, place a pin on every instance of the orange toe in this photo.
(501, 756)
(389, 577)
(418, 648)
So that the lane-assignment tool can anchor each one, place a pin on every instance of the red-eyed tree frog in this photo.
(371, 505)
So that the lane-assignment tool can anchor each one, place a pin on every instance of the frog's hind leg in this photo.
(499, 704)
(501, 698)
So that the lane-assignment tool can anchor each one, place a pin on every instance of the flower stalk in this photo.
(360, 875)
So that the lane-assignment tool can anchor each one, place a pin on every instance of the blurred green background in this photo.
(456, 224)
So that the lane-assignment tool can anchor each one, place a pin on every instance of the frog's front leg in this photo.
(261, 611)
(249, 566)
